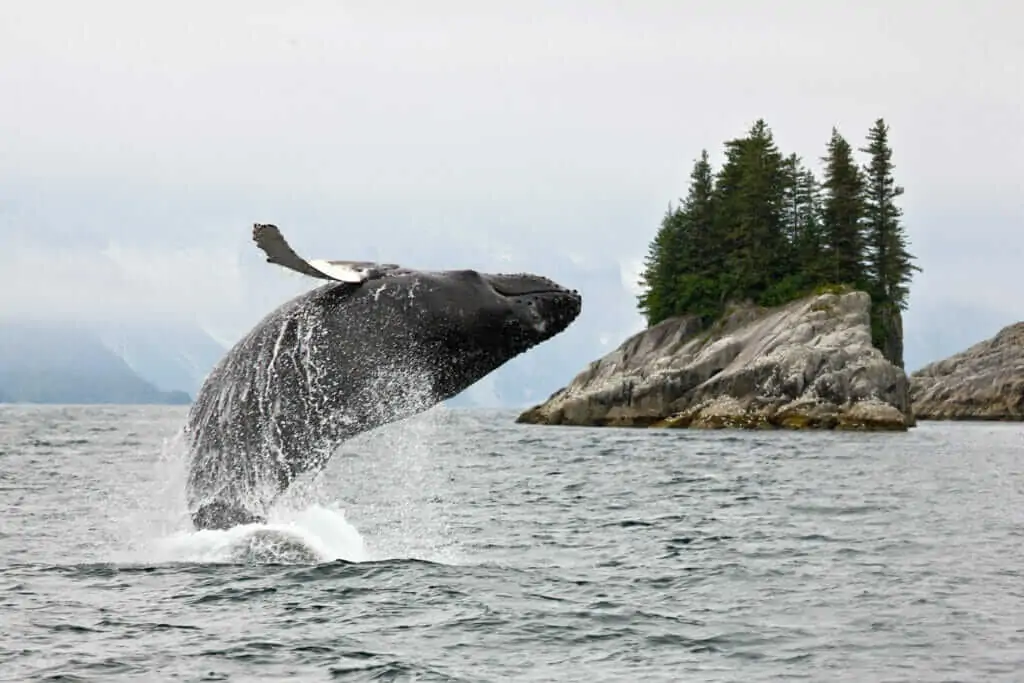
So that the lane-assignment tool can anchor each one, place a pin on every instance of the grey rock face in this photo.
(983, 382)
(810, 363)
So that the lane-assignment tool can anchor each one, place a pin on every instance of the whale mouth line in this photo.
(513, 292)
(535, 292)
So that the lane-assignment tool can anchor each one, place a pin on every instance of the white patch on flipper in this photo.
(342, 272)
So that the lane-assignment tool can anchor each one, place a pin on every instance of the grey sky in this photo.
(139, 141)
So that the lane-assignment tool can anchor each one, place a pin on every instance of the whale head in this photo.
(462, 325)
(538, 308)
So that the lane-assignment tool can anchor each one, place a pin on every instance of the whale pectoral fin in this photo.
(272, 242)
(269, 239)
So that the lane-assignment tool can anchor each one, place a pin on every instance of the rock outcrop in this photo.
(983, 382)
(808, 364)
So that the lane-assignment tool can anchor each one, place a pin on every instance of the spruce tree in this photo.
(656, 278)
(804, 267)
(843, 214)
(750, 191)
(809, 244)
(729, 239)
(890, 264)
(700, 212)
(696, 285)
(792, 208)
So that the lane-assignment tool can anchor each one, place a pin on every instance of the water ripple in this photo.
(473, 549)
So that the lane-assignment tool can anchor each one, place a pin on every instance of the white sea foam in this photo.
(315, 534)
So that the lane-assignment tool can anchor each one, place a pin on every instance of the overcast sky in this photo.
(140, 141)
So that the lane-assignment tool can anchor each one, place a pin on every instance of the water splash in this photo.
(402, 467)
(156, 526)
(316, 534)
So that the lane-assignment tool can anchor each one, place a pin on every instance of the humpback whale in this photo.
(373, 344)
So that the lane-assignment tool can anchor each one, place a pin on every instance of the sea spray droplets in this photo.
(399, 481)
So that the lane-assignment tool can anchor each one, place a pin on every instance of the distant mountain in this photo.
(49, 362)
(173, 356)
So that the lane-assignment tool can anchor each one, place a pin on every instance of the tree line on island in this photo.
(765, 229)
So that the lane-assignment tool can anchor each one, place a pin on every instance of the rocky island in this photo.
(772, 300)
(983, 382)
(808, 364)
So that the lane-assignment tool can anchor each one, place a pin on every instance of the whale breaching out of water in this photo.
(375, 344)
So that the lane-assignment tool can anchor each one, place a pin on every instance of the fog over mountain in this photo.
(60, 362)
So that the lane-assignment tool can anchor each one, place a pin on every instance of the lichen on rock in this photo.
(983, 382)
(807, 365)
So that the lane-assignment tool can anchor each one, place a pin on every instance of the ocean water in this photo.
(459, 546)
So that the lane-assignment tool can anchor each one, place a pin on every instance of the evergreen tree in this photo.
(804, 265)
(792, 206)
(696, 288)
(750, 192)
(683, 261)
(699, 208)
(890, 265)
(843, 213)
(730, 241)
(809, 247)
(660, 264)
